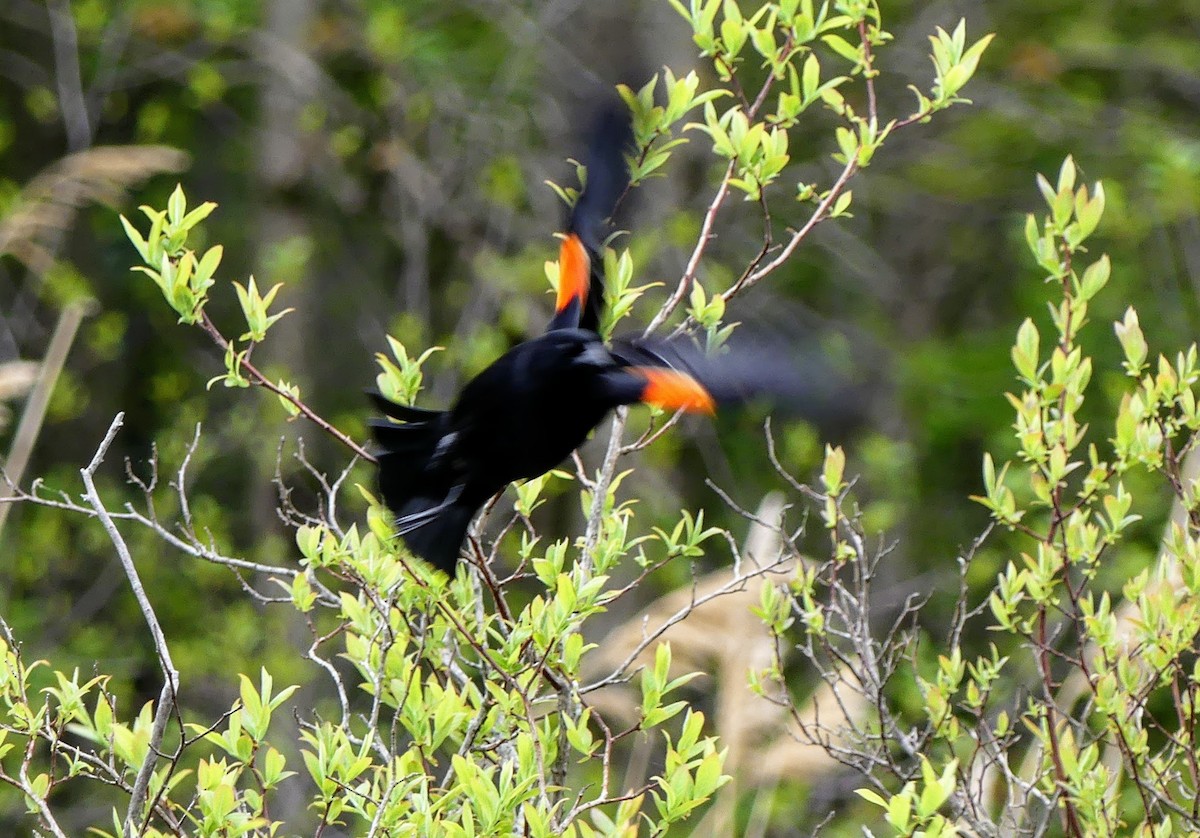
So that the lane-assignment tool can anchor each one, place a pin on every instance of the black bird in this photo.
(537, 403)
(517, 419)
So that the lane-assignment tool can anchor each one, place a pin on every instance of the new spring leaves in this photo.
(185, 278)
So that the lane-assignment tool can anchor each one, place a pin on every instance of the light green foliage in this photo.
(401, 381)
(460, 681)
(1107, 728)
(234, 772)
(1078, 718)
(619, 290)
(185, 279)
(916, 813)
(654, 125)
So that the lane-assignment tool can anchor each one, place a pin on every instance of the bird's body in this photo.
(517, 419)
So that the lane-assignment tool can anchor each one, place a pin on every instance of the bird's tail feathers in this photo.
(430, 516)
(405, 450)
(435, 528)
(401, 412)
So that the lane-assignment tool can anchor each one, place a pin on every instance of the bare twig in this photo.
(785, 253)
(869, 72)
(693, 263)
(170, 691)
(600, 489)
(189, 544)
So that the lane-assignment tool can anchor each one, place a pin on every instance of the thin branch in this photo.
(869, 72)
(170, 690)
(192, 546)
(819, 215)
(262, 381)
(600, 489)
(23, 783)
(735, 583)
(693, 264)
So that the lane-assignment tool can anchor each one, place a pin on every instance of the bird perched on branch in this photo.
(538, 402)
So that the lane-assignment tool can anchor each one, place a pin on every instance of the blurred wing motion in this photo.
(536, 404)
(793, 379)
(580, 300)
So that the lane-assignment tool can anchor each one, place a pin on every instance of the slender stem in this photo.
(23, 783)
(868, 71)
(819, 215)
(170, 690)
(1070, 820)
(600, 491)
(262, 381)
(710, 218)
(39, 398)
(693, 264)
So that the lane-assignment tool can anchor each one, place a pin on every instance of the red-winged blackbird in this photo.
(537, 403)
(517, 419)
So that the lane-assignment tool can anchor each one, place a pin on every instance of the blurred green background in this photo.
(386, 161)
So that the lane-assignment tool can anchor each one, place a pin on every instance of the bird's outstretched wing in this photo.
(580, 301)
(753, 368)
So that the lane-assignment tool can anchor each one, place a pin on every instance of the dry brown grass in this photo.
(47, 205)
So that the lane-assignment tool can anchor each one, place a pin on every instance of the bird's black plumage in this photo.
(517, 419)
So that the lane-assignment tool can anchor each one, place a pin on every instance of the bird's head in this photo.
(572, 349)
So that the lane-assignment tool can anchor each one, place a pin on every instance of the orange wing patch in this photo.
(674, 390)
(574, 268)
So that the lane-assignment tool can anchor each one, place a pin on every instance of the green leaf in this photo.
(1066, 175)
(136, 239)
(176, 205)
(811, 77)
(842, 204)
(872, 797)
(1095, 277)
(1025, 351)
(843, 48)
(197, 215)
(835, 465)
(1133, 342)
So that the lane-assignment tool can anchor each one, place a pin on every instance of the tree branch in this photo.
(262, 381)
(170, 691)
